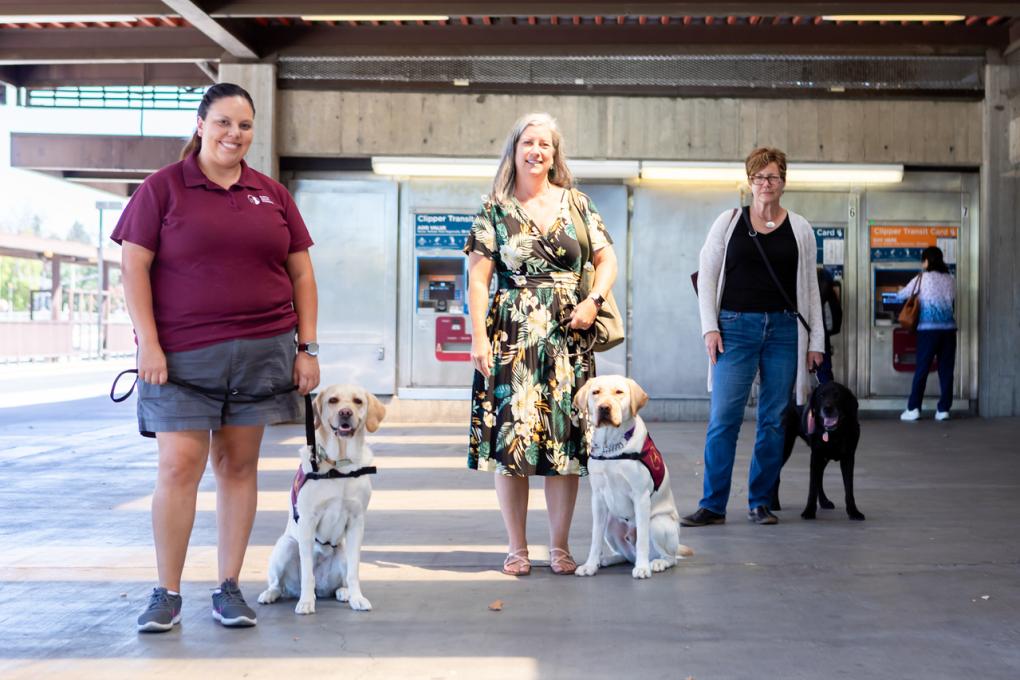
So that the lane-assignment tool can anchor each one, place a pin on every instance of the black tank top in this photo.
(748, 286)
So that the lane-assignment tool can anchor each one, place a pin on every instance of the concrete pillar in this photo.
(56, 291)
(999, 308)
(260, 81)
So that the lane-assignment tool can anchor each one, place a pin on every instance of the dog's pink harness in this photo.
(300, 477)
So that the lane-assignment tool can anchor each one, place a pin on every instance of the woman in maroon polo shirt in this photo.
(218, 280)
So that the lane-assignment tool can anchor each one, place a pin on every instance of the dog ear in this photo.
(581, 398)
(376, 412)
(638, 397)
(317, 409)
(809, 421)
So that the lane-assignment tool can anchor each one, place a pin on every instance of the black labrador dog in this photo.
(830, 426)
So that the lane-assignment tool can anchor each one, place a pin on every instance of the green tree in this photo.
(77, 233)
(18, 278)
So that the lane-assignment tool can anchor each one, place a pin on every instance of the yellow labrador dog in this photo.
(634, 518)
(320, 550)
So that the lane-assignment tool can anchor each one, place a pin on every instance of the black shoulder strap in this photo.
(775, 279)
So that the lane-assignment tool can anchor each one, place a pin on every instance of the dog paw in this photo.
(856, 515)
(587, 569)
(305, 607)
(641, 572)
(808, 514)
(660, 565)
(360, 603)
(826, 504)
(269, 596)
(342, 595)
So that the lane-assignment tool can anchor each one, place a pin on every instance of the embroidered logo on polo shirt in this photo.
(266, 199)
(254, 200)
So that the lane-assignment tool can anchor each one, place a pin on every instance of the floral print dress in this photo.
(521, 415)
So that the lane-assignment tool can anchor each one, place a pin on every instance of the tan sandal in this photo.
(517, 563)
(561, 562)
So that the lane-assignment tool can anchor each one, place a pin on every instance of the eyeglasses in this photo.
(758, 180)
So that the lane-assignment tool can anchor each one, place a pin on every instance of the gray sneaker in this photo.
(163, 612)
(229, 607)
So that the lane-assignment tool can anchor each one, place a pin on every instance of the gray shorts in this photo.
(251, 366)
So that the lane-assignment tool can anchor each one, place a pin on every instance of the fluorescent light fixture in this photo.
(585, 169)
(376, 17)
(843, 173)
(431, 166)
(419, 166)
(796, 173)
(694, 171)
(894, 17)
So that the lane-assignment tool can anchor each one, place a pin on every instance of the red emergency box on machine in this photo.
(905, 351)
(453, 341)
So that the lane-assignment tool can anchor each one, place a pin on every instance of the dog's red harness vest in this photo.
(652, 459)
(649, 456)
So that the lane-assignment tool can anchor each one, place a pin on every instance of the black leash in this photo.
(234, 396)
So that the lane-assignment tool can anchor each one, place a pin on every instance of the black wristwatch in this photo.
(309, 348)
(597, 299)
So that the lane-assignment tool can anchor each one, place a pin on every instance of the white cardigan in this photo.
(712, 279)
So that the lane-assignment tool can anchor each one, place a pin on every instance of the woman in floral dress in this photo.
(527, 362)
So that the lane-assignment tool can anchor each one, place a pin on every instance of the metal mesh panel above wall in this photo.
(962, 74)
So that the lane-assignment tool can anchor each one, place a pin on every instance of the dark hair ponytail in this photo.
(936, 262)
(217, 91)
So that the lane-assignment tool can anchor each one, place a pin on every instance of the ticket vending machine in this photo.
(895, 256)
(441, 329)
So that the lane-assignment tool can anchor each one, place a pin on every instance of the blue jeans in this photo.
(941, 345)
(753, 343)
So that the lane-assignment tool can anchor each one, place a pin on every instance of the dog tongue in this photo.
(830, 421)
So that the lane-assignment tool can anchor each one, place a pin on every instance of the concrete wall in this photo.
(999, 361)
(260, 81)
(319, 123)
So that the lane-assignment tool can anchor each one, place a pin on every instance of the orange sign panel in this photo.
(894, 236)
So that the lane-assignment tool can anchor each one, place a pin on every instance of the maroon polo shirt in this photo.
(219, 271)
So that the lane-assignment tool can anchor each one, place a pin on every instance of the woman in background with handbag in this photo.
(757, 283)
(934, 290)
(531, 348)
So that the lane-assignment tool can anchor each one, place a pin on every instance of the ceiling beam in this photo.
(72, 8)
(93, 153)
(213, 29)
(106, 45)
(547, 39)
(58, 75)
(267, 8)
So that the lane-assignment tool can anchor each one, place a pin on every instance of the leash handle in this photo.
(113, 387)
(309, 422)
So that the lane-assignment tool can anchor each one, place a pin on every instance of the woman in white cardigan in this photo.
(750, 327)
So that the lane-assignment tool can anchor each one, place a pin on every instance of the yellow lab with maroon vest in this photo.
(320, 551)
(634, 518)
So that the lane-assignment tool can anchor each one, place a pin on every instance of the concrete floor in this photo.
(927, 587)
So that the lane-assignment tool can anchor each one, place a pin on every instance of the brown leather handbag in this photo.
(911, 312)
